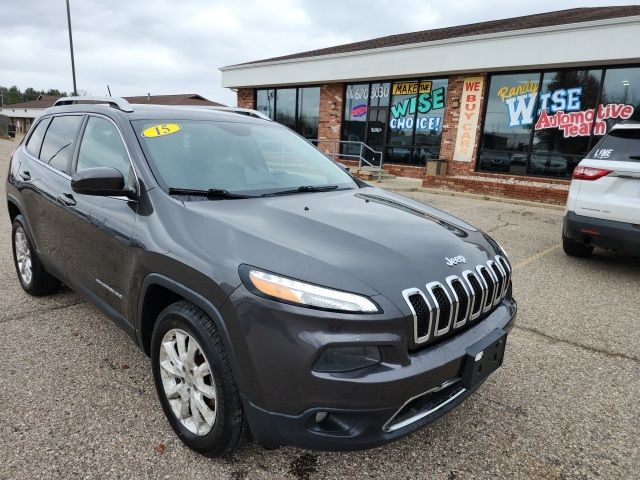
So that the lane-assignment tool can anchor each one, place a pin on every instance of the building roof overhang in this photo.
(599, 42)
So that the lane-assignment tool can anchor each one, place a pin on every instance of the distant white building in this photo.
(22, 114)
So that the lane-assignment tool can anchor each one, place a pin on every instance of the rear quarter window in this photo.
(35, 140)
(619, 144)
(58, 141)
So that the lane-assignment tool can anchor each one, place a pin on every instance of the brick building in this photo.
(511, 106)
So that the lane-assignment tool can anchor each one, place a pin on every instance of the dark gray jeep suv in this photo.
(274, 292)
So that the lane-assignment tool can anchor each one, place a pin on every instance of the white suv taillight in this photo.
(589, 173)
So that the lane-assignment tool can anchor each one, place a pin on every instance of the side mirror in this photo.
(101, 181)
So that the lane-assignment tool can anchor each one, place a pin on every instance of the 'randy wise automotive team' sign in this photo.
(560, 108)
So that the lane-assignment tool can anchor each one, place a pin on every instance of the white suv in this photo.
(603, 208)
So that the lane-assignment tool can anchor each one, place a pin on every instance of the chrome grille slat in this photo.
(444, 308)
(461, 299)
(479, 293)
(497, 285)
(500, 260)
(408, 294)
(487, 281)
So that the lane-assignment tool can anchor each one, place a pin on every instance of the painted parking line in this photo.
(533, 258)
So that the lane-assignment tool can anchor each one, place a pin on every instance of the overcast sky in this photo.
(177, 46)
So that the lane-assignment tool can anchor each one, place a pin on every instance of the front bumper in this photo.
(621, 236)
(284, 394)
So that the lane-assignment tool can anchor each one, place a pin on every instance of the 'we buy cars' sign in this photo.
(468, 120)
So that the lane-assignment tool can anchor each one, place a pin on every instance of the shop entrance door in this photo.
(376, 132)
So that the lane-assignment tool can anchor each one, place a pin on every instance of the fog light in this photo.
(321, 417)
(347, 359)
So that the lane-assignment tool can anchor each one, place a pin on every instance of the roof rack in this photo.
(115, 102)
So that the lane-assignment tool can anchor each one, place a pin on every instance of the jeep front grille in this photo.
(444, 308)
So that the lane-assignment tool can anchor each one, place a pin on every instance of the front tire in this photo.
(576, 249)
(194, 381)
(34, 278)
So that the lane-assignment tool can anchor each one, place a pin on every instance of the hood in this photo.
(364, 240)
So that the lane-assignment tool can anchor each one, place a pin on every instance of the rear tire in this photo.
(204, 409)
(576, 249)
(34, 278)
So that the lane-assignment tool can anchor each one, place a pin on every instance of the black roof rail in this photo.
(242, 111)
(115, 102)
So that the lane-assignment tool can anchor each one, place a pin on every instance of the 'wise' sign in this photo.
(468, 120)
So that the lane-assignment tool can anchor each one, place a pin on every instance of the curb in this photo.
(452, 193)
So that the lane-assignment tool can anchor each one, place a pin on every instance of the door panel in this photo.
(43, 171)
(42, 211)
(97, 240)
(97, 230)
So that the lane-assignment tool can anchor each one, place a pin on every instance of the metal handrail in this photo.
(363, 147)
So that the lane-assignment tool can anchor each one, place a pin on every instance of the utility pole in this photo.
(73, 63)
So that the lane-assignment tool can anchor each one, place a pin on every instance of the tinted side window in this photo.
(622, 144)
(102, 146)
(35, 140)
(58, 142)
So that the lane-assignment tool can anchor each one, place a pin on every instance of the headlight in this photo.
(293, 291)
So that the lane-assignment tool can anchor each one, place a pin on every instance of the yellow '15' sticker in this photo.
(161, 130)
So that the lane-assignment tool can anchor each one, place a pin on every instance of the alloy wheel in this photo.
(23, 255)
(188, 382)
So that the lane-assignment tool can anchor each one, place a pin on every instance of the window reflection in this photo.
(297, 108)
(544, 123)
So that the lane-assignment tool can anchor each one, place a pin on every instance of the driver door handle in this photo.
(66, 199)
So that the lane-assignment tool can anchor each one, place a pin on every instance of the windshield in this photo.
(239, 158)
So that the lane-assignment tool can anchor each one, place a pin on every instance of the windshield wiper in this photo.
(210, 193)
(303, 189)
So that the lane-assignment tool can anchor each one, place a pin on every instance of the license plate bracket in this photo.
(484, 357)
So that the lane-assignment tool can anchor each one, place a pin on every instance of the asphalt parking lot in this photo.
(77, 397)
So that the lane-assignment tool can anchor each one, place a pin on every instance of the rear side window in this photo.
(35, 140)
(619, 144)
(58, 141)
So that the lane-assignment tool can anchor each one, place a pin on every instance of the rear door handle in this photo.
(25, 175)
(66, 199)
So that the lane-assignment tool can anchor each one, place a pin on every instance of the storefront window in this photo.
(356, 107)
(566, 105)
(308, 111)
(621, 86)
(297, 108)
(508, 122)
(403, 112)
(415, 121)
(265, 102)
(429, 123)
(544, 123)
(286, 107)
